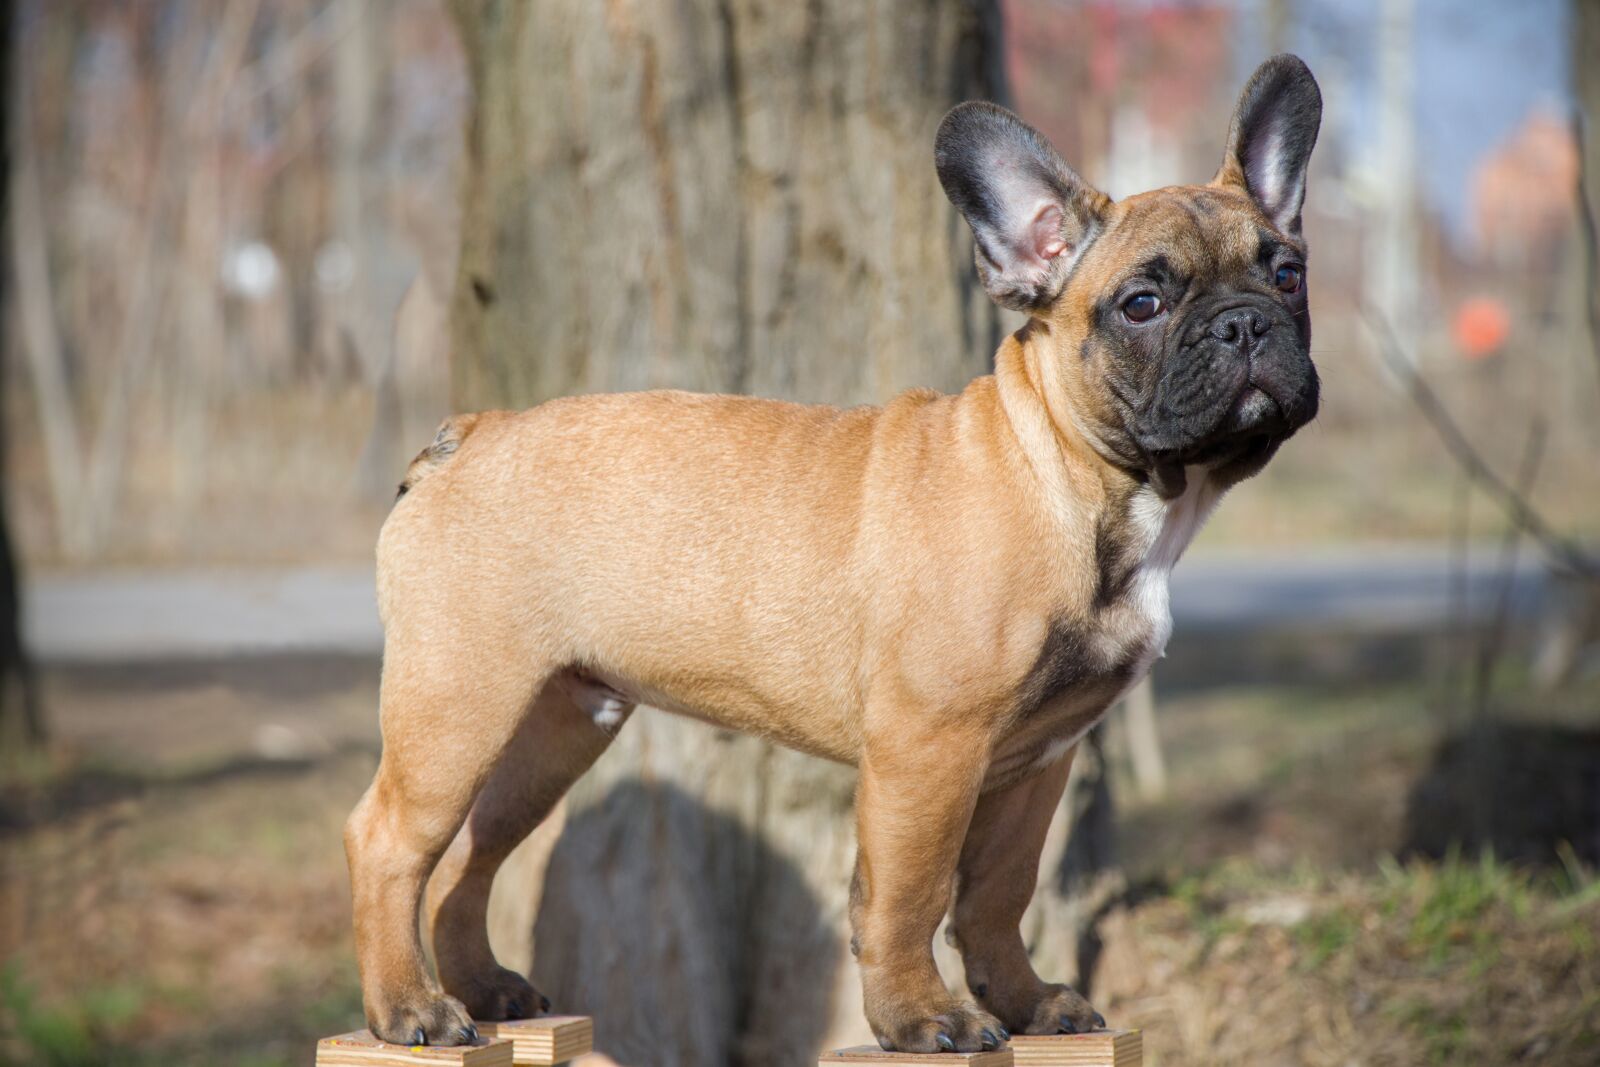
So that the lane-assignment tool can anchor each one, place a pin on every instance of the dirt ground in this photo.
(172, 888)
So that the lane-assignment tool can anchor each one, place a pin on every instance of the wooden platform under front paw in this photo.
(541, 1042)
(1103, 1048)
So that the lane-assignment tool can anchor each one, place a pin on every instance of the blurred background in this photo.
(256, 249)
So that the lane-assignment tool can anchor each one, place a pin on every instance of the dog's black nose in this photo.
(1239, 326)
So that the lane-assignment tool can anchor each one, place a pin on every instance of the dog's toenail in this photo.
(469, 1034)
(988, 1040)
(885, 1044)
(418, 1037)
(544, 1003)
(1099, 1021)
(942, 1039)
(1005, 1035)
(1067, 1027)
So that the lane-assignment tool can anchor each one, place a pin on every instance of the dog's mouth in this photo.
(1239, 447)
(1245, 433)
(1254, 406)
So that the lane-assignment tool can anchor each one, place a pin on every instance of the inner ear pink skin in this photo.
(1046, 232)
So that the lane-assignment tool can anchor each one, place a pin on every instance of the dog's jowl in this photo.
(946, 591)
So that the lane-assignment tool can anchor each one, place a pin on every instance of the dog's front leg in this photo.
(995, 879)
(913, 804)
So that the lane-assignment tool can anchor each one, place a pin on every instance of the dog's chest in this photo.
(1086, 663)
(1132, 617)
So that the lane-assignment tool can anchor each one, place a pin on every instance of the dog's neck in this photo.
(1080, 474)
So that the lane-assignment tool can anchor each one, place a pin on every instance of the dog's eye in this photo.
(1289, 278)
(1141, 307)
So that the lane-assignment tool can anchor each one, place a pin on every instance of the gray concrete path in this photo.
(151, 615)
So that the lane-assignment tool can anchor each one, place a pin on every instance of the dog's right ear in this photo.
(1031, 216)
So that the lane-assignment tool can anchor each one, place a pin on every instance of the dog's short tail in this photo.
(452, 432)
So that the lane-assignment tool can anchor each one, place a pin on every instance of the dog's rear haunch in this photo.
(946, 591)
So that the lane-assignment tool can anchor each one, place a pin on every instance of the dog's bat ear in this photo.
(1270, 140)
(1031, 216)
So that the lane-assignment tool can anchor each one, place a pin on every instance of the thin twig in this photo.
(1456, 675)
(1589, 238)
(291, 59)
(1563, 553)
(1480, 738)
(1494, 638)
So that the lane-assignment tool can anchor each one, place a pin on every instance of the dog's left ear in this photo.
(1031, 216)
(1269, 143)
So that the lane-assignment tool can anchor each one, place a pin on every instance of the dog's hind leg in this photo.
(569, 727)
(449, 713)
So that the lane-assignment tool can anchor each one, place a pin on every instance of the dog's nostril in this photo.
(1240, 326)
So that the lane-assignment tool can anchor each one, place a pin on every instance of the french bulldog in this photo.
(946, 591)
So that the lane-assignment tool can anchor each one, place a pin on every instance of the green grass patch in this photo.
(75, 1034)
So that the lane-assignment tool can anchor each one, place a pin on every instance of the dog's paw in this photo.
(499, 994)
(959, 1027)
(1060, 1010)
(428, 1019)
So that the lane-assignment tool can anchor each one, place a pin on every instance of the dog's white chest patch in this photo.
(1164, 528)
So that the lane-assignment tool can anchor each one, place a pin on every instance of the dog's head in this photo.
(1175, 320)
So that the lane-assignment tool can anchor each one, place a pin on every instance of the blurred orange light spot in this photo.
(1480, 327)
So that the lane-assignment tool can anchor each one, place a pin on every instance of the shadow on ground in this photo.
(688, 937)
(1524, 790)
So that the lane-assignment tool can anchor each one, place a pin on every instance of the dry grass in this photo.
(1273, 925)
(1455, 962)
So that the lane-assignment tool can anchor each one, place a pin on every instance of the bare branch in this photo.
(1561, 551)
(1589, 238)
(1494, 639)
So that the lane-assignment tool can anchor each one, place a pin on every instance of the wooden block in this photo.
(549, 1039)
(874, 1054)
(1103, 1048)
(361, 1049)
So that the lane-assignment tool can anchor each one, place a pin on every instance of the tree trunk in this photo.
(729, 196)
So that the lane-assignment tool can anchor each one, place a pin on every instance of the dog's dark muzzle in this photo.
(1244, 373)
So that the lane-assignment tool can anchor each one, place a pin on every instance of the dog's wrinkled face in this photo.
(1178, 316)
(1198, 335)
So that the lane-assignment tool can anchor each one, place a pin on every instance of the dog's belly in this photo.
(610, 698)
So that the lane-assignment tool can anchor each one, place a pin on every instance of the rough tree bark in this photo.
(724, 195)
(728, 196)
